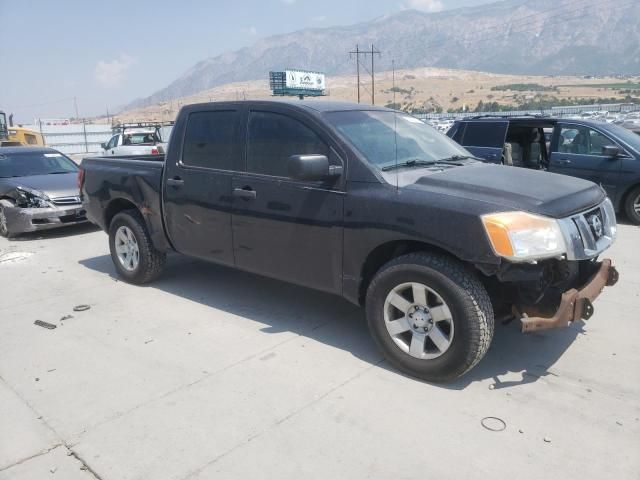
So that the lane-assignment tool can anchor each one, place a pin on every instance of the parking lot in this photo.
(215, 373)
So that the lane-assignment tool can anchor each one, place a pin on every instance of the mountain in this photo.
(545, 37)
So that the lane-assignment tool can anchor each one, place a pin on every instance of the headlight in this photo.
(30, 198)
(610, 213)
(521, 236)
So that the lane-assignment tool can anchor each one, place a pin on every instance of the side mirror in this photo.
(610, 151)
(104, 146)
(312, 168)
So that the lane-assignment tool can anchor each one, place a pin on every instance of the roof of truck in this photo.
(317, 105)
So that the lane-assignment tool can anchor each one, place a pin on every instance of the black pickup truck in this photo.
(369, 204)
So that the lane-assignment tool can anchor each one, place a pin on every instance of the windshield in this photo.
(627, 136)
(140, 138)
(28, 164)
(372, 133)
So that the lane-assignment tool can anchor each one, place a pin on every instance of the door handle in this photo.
(175, 182)
(246, 192)
(564, 161)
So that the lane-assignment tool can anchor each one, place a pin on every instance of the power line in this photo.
(373, 52)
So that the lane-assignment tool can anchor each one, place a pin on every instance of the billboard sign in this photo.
(301, 80)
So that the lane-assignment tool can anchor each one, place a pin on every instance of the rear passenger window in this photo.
(484, 134)
(210, 140)
(458, 135)
(273, 138)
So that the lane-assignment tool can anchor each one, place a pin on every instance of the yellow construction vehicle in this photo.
(14, 136)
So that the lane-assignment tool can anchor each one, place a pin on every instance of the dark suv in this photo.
(604, 153)
(369, 204)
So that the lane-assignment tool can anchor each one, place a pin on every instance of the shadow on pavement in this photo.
(60, 232)
(286, 307)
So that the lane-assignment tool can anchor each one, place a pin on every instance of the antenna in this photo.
(395, 118)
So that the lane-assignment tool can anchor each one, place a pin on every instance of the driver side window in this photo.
(113, 142)
(273, 138)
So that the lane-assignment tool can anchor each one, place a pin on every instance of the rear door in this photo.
(576, 150)
(284, 228)
(197, 189)
(484, 139)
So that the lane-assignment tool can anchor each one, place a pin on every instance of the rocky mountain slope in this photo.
(550, 37)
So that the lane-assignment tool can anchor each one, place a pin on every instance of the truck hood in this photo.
(513, 188)
(53, 186)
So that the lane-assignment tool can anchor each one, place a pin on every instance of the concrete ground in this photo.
(213, 373)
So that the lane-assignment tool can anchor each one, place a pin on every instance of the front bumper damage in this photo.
(575, 304)
(22, 220)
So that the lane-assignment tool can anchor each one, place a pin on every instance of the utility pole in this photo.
(393, 82)
(373, 81)
(373, 52)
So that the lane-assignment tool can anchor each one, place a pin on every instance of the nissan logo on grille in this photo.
(596, 224)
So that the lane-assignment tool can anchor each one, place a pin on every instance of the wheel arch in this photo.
(386, 252)
(116, 206)
(152, 221)
(627, 192)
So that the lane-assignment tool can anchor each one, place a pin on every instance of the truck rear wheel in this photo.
(632, 206)
(430, 316)
(132, 252)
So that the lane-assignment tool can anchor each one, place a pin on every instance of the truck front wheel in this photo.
(430, 316)
(132, 252)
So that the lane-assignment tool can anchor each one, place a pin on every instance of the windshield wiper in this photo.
(413, 162)
(58, 173)
(456, 158)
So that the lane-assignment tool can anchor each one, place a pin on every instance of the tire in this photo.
(128, 233)
(4, 226)
(632, 206)
(452, 290)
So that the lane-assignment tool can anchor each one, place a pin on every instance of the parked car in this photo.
(601, 152)
(135, 139)
(38, 190)
(366, 203)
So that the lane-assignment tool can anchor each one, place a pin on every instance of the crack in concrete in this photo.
(36, 455)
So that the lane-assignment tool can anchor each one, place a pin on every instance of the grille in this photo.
(595, 220)
(66, 201)
(597, 229)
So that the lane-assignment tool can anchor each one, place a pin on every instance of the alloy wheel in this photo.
(127, 249)
(418, 320)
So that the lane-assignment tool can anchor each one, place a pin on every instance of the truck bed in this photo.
(134, 180)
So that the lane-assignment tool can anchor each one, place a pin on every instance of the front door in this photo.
(197, 190)
(576, 150)
(284, 228)
(111, 146)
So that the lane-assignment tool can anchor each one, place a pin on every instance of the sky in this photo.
(107, 53)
